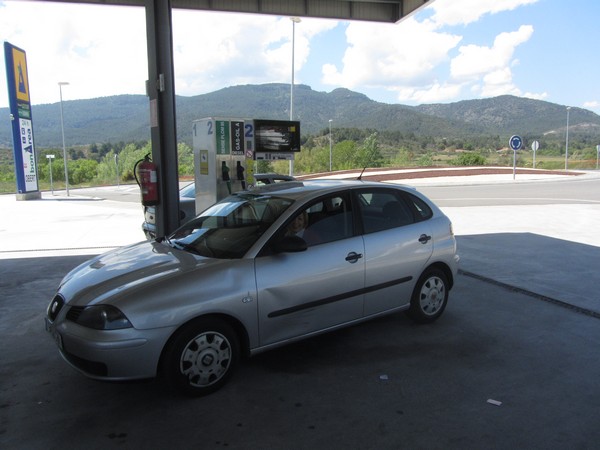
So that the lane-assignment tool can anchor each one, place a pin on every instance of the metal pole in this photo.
(330, 146)
(62, 127)
(163, 125)
(294, 20)
(50, 158)
(567, 142)
(51, 186)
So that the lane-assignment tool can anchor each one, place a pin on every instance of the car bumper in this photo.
(149, 231)
(110, 355)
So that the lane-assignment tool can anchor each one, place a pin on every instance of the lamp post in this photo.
(62, 127)
(50, 158)
(294, 20)
(567, 142)
(330, 145)
(117, 169)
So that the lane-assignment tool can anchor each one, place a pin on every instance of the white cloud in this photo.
(410, 58)
(99, 53)
(534, 96)
(464, 12)
(490, 68)
(433, 93)
(101, 50)
(594, 104)
(390, 55)
(475, 61)
(213, 48)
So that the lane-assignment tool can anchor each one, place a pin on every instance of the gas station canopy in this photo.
(366, 10)
(161, 80)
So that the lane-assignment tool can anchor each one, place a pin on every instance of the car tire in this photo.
(200, 357)
(430, 296)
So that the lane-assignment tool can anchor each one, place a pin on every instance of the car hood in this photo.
(121, 270)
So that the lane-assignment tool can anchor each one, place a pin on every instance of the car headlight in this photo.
(103, 317)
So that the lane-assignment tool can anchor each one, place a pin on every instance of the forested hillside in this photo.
(125, 118)
(105, 136)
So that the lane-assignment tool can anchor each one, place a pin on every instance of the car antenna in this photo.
(361, 173)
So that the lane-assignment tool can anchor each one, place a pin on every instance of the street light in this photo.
(50, 158)
(567, 144)
(294, 20)
(330, 153)
(62, 127)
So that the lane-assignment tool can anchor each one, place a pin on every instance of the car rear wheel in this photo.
(201, 357)
(430, 296)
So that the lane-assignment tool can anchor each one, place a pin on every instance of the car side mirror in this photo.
(289, 244)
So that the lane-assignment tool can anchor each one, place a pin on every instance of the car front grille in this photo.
(55, 306)
(74, 312)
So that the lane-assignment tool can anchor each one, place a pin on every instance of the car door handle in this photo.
(424, 239)
(353, 257)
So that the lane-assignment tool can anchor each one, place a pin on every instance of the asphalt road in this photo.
(572, 190)
(569, 190)
(506, 366)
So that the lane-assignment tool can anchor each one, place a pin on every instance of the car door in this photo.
(398, 244)
(304, 292)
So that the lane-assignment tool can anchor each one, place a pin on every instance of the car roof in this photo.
(313, 188)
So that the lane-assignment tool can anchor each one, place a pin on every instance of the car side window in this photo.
(383, 209)
(423, 211)
(325, 220)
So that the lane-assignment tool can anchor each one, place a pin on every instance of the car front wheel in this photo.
(430, 296)
(201, 357)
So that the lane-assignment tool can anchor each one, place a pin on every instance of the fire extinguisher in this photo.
(148, 180)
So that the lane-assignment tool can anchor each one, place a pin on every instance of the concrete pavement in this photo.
(500, 370)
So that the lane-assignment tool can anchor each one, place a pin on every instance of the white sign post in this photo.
(50, 158)
(534, 146)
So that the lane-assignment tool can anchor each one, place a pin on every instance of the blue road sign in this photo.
(515, 142)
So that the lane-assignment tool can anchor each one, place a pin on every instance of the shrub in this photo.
(469, 159)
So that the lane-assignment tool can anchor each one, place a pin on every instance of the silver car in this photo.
(259, 269)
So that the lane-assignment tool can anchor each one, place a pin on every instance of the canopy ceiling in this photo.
(367, 10)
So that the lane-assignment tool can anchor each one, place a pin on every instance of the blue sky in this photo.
(451, 50)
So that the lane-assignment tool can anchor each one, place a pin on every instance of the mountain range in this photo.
(125, 118)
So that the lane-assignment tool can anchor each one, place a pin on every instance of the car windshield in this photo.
(229, 228)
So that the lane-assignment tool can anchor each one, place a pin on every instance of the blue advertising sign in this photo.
(22, 123)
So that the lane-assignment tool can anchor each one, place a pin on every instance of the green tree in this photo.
(343, 155)
(82, 171)
(369, 154)
(185, 158)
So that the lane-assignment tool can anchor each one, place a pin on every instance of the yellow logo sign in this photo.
(21, 80)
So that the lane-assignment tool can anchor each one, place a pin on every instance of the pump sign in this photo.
(22, 123)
